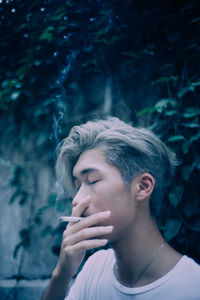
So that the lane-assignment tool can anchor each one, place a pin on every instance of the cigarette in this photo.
(70, 219)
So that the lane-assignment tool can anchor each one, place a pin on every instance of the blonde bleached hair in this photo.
(132, 150)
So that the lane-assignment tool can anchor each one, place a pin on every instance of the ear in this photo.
(144, 187)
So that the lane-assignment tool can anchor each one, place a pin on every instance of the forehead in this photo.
(91, 159)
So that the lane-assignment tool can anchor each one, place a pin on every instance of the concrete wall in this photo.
(23, 289)
(31, 267)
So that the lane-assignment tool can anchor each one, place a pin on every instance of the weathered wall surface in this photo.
(24, 289)
(31, 267)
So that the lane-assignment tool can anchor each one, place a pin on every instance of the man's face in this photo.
(103, 182)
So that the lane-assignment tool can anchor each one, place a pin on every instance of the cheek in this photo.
(115, 198)
(122, 207)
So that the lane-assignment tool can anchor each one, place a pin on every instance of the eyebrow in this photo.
(84, 171)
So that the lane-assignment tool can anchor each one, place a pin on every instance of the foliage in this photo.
(79, 41)
(177, 121)
(181, 131)
(56, 58)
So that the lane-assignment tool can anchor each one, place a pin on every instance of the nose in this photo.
(80, 196)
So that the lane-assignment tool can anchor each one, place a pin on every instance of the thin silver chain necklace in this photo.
(147, 265)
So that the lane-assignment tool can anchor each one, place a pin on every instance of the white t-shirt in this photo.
(96, 281)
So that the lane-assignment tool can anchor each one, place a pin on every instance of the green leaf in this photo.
(47, 34)
(194, 20)
(171, 229)
(191, 112)
(195, 137)
(176, 138)
(147, 110)
(37, 63)
(197, 83)
(185, 146)
(161, 80)
(176, 195)
(15, 95)
(59, 13)
(170, 113)
(185, 90)
(164, 103)
(191, 125)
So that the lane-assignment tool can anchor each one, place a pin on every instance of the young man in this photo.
(119, 173)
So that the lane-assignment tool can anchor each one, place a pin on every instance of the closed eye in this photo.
(77, 187)
(92, 182)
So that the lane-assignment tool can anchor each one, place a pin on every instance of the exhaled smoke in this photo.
(60, 99)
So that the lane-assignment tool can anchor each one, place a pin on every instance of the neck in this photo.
(136, 249)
